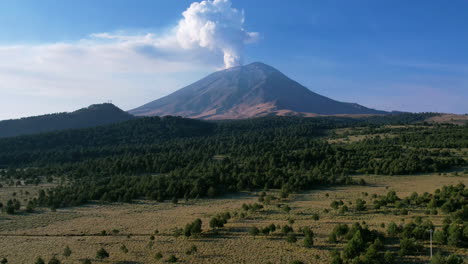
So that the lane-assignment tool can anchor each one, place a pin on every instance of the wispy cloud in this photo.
(209, 36)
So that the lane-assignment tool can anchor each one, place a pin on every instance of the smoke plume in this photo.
(217, 26)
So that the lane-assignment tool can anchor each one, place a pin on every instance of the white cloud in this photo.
(109, 65)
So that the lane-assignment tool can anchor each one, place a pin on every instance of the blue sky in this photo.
(60, 55)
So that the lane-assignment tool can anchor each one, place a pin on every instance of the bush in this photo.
(39, 260)
(286, 229)
(124, 249)
(344, 209)
(54, 260)
(332, 238)
(315, 217)
(102, 254)
(334, 205)
(451, 259)
(392, 229)
(454, 235)
(308, 237)
(440, 237)
(335, 258)
(354, 247)
(254, 231)
(409, 246)
(291, 238)
(388, 257)
(193, 229)
(172, 259)
(67, 251)
(360, 205)
(158, 256)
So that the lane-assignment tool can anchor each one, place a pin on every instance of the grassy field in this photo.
(45, 233)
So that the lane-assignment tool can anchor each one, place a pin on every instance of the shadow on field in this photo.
(128, 262)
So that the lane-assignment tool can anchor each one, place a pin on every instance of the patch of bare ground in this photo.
(449, 118)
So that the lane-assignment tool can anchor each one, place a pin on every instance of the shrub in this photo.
(308, 237)
(172, 259)
(124, 249)
(440, 237)
(392, 229)
(354, 247)
(102, 254)
(388, 257)
(54, 260)
(451, 259)
(454, 235)
(360, 205)
(344, 209)
(335, 257)
(193, 229)
(291, 238)
(409, 246)
(286, 229)
(67, 251)
(332, 238)
(254, 231)
(315, 217)
(158, 256)
(334, 205)
(39, 260)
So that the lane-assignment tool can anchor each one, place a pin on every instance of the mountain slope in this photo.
(247, 91)
(94, 115)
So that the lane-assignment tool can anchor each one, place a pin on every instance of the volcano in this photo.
(248, 91)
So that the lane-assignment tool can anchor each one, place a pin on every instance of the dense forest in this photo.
(172, 157)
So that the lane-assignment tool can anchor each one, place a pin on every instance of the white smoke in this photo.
(112, 63)
(218, 26)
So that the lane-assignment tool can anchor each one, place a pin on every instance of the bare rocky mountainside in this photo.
(248, 91)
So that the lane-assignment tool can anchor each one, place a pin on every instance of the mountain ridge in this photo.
(247, 91)
(94, 115)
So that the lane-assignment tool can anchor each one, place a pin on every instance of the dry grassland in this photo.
(46, 233)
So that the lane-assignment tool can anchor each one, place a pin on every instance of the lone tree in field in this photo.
(194, 228)
(54, 260)
(39, 260)
(102, 254)
(334, 205)
(172, 259)
(254, 231)
(360, 205)
(308, 237)
(291, 238)
(67, 251)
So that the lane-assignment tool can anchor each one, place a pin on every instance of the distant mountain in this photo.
(94, 115)
(248, 91)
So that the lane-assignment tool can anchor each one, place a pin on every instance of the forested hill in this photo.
(94, 115)
(70, 144)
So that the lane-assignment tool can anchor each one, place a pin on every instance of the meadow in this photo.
(145, 228)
